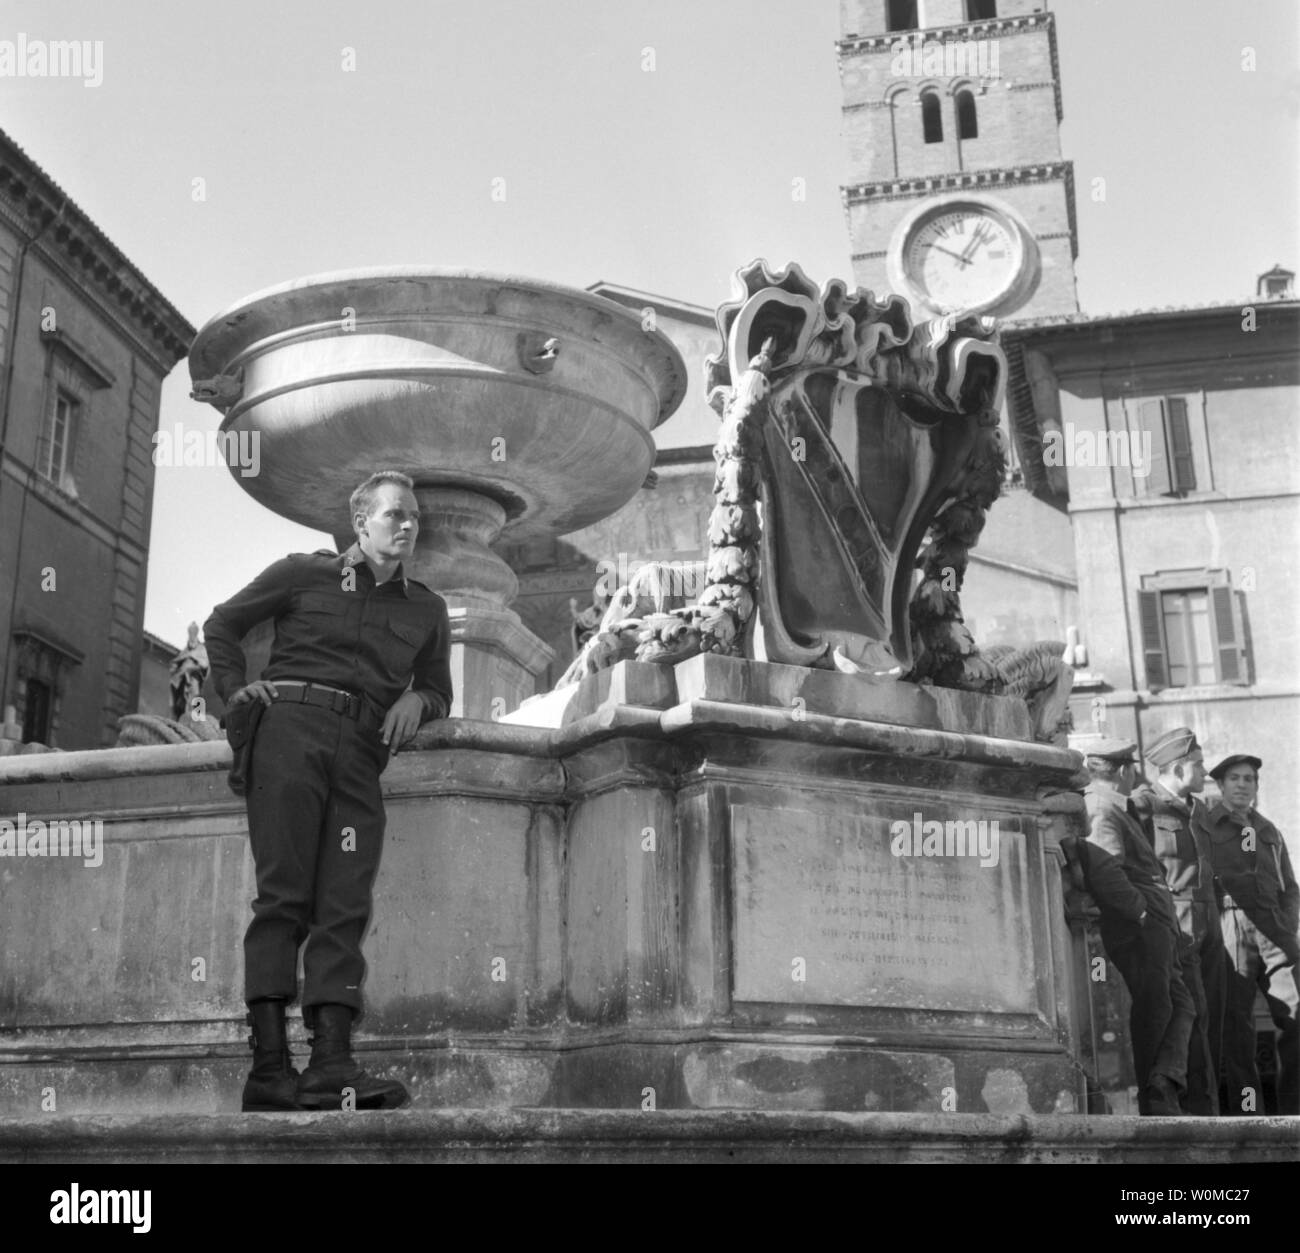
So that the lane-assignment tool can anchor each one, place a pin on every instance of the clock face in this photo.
(962, 259)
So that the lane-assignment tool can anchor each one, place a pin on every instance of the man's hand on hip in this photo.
(402, 721)
(259, 689)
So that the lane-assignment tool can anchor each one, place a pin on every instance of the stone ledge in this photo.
(568, 1135)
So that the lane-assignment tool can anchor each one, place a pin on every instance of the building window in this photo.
(967, 125)
(42, 665)
(900, 15)
(1173, 466)
(1192, 630)
(55, 462)
(37, 708)
(931, 118)
(981, 10)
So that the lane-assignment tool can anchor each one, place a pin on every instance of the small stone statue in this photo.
(586, 621)
(188, 670)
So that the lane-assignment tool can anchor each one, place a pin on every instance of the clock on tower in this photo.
(963, 254)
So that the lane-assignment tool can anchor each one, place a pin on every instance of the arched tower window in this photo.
(967, 124)
(931, 118)
(981, 10)
(901, 15)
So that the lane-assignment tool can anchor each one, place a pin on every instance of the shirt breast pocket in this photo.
(1166, 838)
(323, 620)
(405, 640)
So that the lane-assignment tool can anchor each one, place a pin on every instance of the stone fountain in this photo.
(791, 848)
(521, 409)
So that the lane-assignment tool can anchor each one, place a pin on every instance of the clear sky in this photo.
(664, 180)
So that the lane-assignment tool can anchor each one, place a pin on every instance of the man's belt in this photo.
(345, 704)
(1229, 903)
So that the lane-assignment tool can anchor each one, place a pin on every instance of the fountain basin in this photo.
(447, 376)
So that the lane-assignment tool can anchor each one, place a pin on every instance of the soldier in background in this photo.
(1160, 1022)
(1261, 915)
(1166, 811)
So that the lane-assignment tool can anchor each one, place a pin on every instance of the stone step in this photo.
(632, 1136)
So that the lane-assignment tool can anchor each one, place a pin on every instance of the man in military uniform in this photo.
(1261, 915)
(1160, 1022)
(360, 660)
(1165, 807)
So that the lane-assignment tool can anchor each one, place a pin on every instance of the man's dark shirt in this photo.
(373, 640)
(1256, 873)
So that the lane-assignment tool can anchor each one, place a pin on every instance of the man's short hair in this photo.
(363, 499)
(1104, 767)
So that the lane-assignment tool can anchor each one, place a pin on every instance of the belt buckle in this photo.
(340, 702)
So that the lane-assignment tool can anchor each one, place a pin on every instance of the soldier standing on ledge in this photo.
(1261, 914)
(1166, 811)
(1160, 1022)
(360, 660)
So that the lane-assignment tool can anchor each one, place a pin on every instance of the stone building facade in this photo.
(85, 342)
(1179, 437)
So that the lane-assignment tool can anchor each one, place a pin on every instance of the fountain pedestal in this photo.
(690, 887)
(495, 659)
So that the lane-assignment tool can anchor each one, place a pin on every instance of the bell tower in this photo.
(957, 196)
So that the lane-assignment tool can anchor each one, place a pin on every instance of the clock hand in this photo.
(953, 255)
(976, 239)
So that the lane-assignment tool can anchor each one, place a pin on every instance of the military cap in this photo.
(1109, 749)
(1170, 747)
(1235, 760)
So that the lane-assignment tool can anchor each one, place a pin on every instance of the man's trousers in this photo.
(1160, 1022)
(316, 826)
(1256, 963)
(1204, 970)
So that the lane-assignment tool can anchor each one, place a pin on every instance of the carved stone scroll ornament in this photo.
(854, 447)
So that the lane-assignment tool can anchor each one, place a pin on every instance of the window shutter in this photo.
(1151, 418)
(1153, 644)
(1228, 635)
(1180, 447)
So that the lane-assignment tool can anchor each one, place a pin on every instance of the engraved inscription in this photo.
(873, 928)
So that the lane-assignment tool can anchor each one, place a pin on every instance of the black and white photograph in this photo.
(688, 582)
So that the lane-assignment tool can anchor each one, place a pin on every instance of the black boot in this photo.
(273, 1083)
(332, 1068)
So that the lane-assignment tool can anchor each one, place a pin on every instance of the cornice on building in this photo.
(987, 26)
(65, 234)
(969, 180)
(633, 298)
(158, 646)
(1078, 322)
(1023, 24)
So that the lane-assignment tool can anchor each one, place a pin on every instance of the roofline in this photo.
(67, 233)
(1012, 329)
(633, 297)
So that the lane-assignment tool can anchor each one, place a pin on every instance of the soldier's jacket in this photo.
(1256, 873)
(1099, 874)
(1116, 829)
(1184, 856)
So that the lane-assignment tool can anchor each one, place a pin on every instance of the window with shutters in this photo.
(1173, 462)
(1192, 630)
